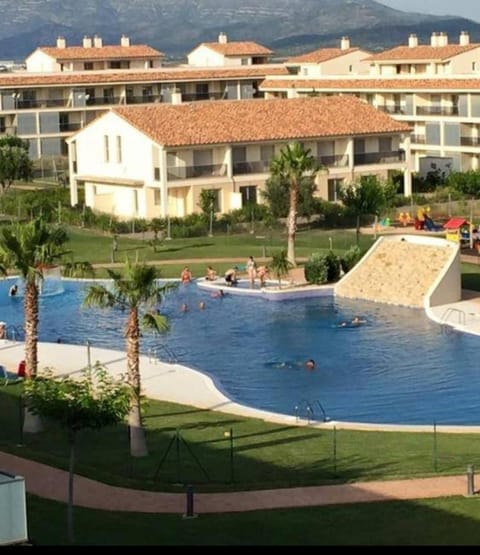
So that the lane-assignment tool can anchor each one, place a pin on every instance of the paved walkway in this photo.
(52, 483)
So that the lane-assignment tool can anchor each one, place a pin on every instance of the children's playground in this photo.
(456, 229)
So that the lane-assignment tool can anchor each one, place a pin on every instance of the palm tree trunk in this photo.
(71, 466)
(292, 222)
(32, 422)
(138, 441)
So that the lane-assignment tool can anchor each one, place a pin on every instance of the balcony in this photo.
(379, 157)
(69, 127)
(470, 141)
(392, 109)
(437, 111)
(192, 172)
(143, 99)
(103, 101)
(418, 139)
(245, 168)
(8, 130)
(194, 97)
(333, 161)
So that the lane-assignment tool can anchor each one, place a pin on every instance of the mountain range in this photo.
(176, 26)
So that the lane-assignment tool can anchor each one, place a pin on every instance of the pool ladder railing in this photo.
(446, 318)
(154, 355)
(309, 409)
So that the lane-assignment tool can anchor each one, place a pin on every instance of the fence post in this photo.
(470, 480)
(190, 513)
(335, 449)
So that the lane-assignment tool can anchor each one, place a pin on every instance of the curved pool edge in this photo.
(176, 383)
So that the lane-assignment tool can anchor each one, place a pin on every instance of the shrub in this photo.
(322, 268)
(350, 258)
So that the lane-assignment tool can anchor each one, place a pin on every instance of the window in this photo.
(385, 144)
(474, 66)
(150, 63)
(249, 194)
(3, 127)
(245, 61)
(119, 149)
(266, 153)
(88, 66)
(108, 97)
(156, 197)
(333, 188)
(350, 68)
(106, 149)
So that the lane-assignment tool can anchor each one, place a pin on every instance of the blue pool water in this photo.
(398, 368)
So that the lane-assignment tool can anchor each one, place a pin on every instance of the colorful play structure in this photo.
(458, 230)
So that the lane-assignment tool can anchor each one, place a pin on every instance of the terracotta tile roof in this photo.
(245, 48)
(26, 79)
(321, 55)
(227, 122)
(339, 85)
(108, 52)
(422, 52)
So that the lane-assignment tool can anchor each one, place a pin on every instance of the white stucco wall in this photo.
(38, 62)
(203, 56)
(338, 66)
(136, 163)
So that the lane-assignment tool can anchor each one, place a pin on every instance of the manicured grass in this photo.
(444, 521)
(264, 455)
(97, 247)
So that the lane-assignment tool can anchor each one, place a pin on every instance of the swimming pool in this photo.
(398, 368)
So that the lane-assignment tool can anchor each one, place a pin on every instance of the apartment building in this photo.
(345, 60)
(434, 89)
(225, 53)
(154, 161)
(66, 87)
(93, 55)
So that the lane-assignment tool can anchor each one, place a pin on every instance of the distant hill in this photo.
(177, 26)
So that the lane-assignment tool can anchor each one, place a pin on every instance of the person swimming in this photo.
(308, 364)
(13, 290)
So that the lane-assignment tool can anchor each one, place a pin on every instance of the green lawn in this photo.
(97, 247)
(264, 455)
(447, 521)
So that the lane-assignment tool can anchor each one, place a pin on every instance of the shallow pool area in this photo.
(399, 367)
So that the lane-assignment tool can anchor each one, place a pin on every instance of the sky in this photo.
(464, 8)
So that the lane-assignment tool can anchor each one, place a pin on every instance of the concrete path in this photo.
(52, 483)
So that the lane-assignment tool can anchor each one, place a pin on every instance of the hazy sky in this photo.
(465, 8)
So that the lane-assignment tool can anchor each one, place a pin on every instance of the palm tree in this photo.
(292, 164)
(280, 265)
(29, 248)
(138, 293)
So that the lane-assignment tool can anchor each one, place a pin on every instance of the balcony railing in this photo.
(258, 166)
(143, 99)
(392, 109)
(189, 172)
(469, 141)
(379, 157)
(193, 97)
(103, 100)
(437, 111)
(418, 139)
(333, 160)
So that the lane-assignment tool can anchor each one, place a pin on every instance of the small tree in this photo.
(15, 162)
(280, 265)
(366, 197)
(93, 401)
(207, 202)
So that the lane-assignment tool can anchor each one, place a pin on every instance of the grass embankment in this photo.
(452, 521)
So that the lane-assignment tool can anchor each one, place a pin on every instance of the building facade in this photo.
(154, 161)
